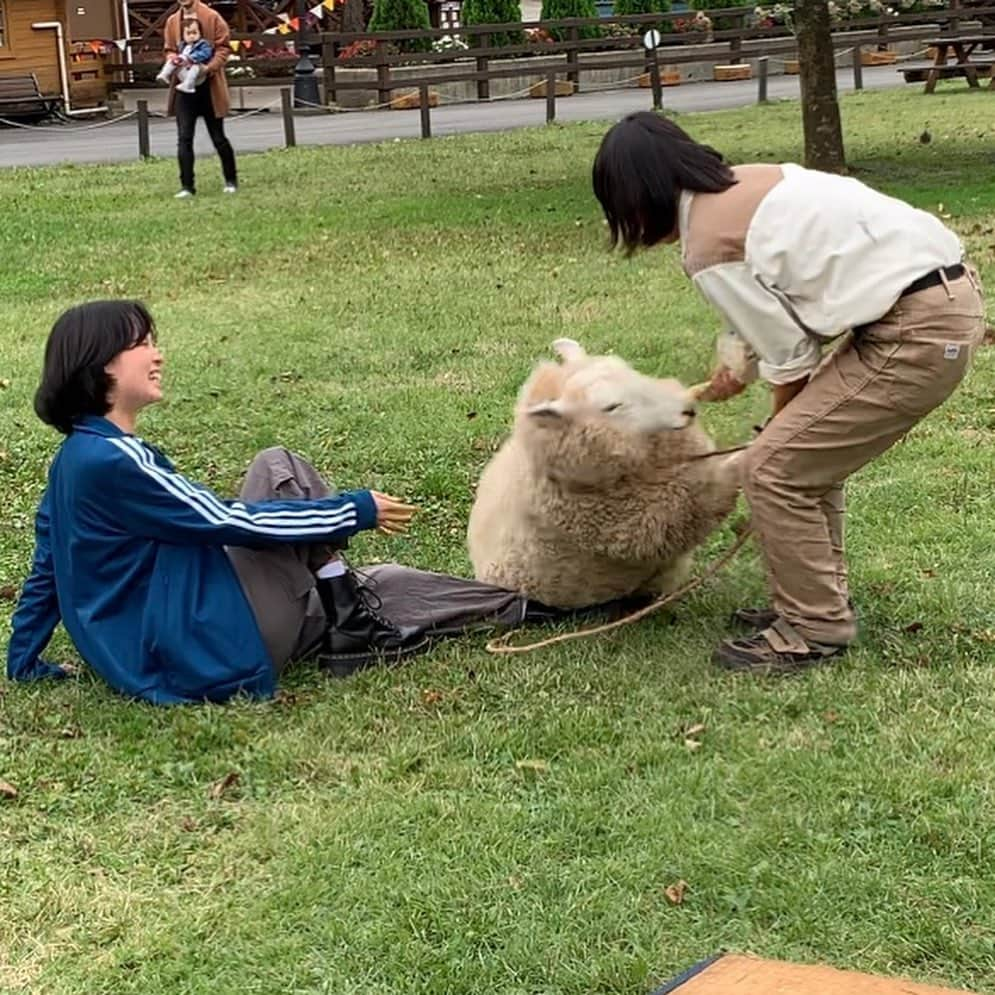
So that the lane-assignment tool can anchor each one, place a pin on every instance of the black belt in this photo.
(934, 279)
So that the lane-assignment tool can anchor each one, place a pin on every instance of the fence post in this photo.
(550, 98)
(426, 121)
(383, 77)
(655, 81)
(329, 55)
(287, 106)
(735, 50)
(144, 149)
(762, 80)
(573, 66)
(858, 67)
(483, 84)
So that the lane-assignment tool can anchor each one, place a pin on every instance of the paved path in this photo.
(118, 142)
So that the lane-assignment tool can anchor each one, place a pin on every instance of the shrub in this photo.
(402, 15)
(493, 12)
(552, 10)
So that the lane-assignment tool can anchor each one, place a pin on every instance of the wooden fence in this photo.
(483, 61)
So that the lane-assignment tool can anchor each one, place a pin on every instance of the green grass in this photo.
(376, 308)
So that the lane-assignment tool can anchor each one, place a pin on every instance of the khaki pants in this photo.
(863, 398)
(280, 581)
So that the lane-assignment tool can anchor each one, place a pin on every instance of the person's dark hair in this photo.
(82, 342)
(187, 21)
(643, 164)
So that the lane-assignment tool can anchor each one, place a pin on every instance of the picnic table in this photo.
(962, 48)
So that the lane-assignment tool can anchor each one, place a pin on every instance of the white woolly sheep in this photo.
(592, 497)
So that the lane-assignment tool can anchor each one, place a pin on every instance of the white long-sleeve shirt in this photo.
(792, 257)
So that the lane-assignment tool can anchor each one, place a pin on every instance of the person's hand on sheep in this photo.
(723, 385)
(393, 515)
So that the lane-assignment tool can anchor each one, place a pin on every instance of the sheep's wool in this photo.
(592, 496)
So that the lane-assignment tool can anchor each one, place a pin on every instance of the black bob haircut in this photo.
(82, 342)
(643, 164)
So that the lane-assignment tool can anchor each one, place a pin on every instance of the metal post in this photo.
(550, 98)
(655, 81)
(426, 120)
(762, 80)
(305, 80)
(289, 136)
(858, 67)
(144, 148)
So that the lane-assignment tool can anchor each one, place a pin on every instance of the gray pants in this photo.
(280, 581)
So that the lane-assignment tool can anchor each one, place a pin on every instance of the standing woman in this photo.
(791, 258)
(210, 100)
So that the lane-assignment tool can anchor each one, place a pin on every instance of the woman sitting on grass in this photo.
(170, 593)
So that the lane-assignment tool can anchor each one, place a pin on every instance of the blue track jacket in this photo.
(128, 555)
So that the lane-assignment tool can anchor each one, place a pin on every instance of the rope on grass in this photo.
(500, 645)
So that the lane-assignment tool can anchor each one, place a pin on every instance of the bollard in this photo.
(287, 107)
(858, 68)
(144, 148)
(426, 121)
(762, 80)
(550, 98)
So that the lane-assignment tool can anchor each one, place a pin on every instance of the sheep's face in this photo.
(604, 389)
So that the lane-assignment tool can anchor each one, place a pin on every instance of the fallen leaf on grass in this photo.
(831, 717)
(188, 825)
(430, 696)
(675, 892)
(220, 787)
(913, 627)
(539, 766)
(8, 593)
(4, 383)
(989, 338)
(692, 744)
(696, 730)
(7, 790)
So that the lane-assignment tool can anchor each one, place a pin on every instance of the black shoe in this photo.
(358, 635)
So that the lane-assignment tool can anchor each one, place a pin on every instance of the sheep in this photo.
(593, 497)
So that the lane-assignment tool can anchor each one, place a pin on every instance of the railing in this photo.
(484, 62)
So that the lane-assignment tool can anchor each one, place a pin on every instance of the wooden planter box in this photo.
(791, 67)
(725, 73)
(564, 88)
(668, 77)
(411, 100)
(878, 58)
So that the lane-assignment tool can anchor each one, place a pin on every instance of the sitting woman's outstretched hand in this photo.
(393, 515)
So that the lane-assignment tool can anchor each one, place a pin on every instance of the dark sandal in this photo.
(779, 649)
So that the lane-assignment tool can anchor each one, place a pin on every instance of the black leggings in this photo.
(189, 107)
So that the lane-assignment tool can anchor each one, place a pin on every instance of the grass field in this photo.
(376, 308)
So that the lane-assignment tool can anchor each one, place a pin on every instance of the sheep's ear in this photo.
(568, 349)
(546, 409)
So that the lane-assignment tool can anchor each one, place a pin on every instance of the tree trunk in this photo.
(353, 20)
(820, 106)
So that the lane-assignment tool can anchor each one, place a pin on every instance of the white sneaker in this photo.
(230, 188)
(163, 77)
(183, 194)
(187, 86)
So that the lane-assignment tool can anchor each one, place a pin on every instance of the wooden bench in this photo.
(918, 72)
(20, 96)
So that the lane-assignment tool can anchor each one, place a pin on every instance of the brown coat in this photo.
(216, 33)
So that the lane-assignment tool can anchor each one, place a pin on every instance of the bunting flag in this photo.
(328, 4)
(317, 12)
(122, 43)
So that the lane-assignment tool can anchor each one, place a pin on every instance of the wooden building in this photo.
(65, 43)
